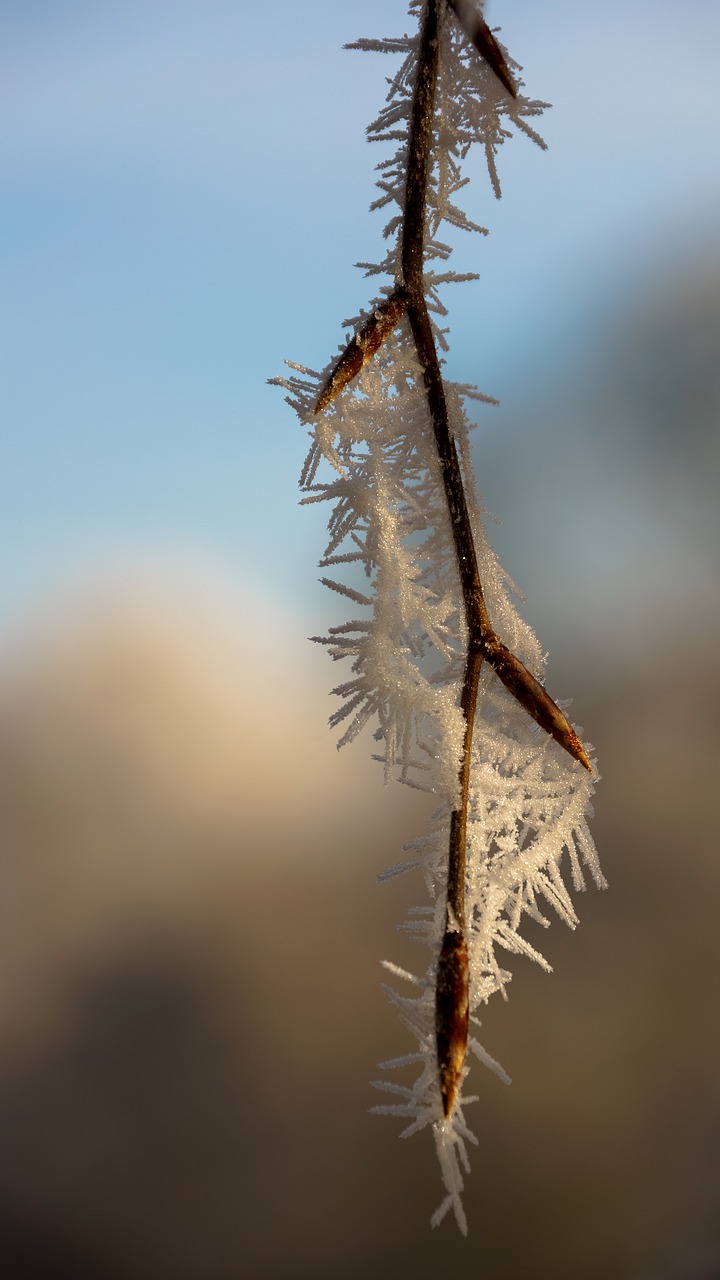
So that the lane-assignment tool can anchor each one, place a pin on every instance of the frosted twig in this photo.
(453, 702)
(483, 643)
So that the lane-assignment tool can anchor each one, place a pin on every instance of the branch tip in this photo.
(478, 32)
(361, 348)
(531, 695)
(451, 1014)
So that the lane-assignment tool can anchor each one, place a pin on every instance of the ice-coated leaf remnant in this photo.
(439, 660)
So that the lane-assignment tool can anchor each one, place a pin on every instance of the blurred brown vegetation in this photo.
(190, 930)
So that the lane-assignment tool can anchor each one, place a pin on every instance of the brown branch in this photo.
(452, 990)
(452, 995)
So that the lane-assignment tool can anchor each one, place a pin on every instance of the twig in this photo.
(451, 1003)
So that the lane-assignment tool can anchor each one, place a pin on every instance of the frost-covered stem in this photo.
(409, 298)
(451, 989)
(451, 1004)
(452, 996)
(511, 825)
(451, 1001)
(458, 821)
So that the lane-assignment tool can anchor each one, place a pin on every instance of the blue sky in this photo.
(185, 190)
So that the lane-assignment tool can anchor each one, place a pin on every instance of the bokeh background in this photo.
(190, 927)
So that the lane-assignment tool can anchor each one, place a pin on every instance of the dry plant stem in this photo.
(452, 1001)
(452, 981)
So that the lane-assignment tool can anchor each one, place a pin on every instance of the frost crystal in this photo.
(392, 555)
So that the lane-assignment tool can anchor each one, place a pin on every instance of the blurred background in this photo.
(190, 928)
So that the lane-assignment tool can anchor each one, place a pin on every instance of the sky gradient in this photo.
(185, 192)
